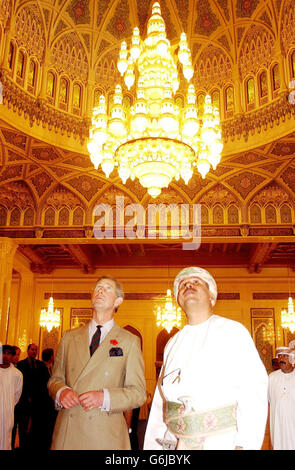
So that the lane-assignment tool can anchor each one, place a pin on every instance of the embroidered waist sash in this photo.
(192, 428)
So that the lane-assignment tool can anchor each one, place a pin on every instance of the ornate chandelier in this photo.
(169, 316)
(50, 318)
(288, 316)
(155, 141)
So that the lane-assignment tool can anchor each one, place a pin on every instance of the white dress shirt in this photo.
(105, 329)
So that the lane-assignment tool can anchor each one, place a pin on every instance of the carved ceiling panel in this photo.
(254, 257)
(42, 167)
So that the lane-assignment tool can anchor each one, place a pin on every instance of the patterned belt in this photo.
(192, 428)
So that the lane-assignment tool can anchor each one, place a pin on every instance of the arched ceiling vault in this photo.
(220, 22)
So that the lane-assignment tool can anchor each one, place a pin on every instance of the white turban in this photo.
(202, 274)
(288, 351)
(282, 350)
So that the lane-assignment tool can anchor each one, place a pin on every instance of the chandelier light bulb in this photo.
(124, 174)
(183, 53)
(203, 167)
(129, 76)
(92, 146)
(188, 72)
(207, 134)
(99, 136)
(216, 148)
(139, 124)
(186, 174)
(162, 47)
(135, 48)
(191, 94)
(214, 160)
(154, 192)
(122, 62)
(107, 167)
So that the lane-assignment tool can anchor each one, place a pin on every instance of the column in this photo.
(244, 213)
(22, 324)
(281, 58)
(89, 94)
(43, 76)
(238, 107)
(8, 34)
(7, 251)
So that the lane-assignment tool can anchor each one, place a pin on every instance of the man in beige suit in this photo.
(98, 374)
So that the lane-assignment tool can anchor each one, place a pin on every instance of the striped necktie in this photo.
(95, 340)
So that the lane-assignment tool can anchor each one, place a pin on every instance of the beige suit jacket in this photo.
(122, 375)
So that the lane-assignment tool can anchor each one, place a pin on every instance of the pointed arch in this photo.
(135, 332)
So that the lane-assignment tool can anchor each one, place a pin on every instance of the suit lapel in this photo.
(82, 344)
(102, 351)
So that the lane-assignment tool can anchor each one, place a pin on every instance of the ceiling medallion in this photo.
(155, 140)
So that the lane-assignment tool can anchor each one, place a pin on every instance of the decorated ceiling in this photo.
(40, 171)
(46, 185)
(98, 26)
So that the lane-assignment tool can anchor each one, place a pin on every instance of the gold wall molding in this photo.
(272, 295)
(259, 120)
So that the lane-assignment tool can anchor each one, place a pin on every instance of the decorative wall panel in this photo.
(263, 332)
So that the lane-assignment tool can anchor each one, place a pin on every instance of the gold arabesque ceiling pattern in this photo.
(100, 25)
(42, 170)
(37, 174)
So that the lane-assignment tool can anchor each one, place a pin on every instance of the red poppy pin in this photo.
(114, 342)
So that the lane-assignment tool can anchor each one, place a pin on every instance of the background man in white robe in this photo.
(212, 389)
(11, 383)
(281, 394)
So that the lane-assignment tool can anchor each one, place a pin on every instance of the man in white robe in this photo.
(212, 389)
(281, 394)
(11, 383)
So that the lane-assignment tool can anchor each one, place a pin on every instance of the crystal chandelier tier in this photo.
(288, 316)
(155, 140)
(50, 318)
(168, 316)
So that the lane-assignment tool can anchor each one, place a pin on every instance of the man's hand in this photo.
(68, 398)
(92, 399)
